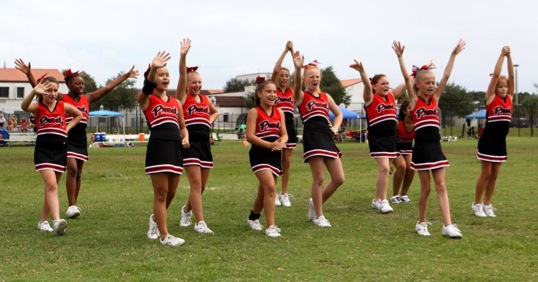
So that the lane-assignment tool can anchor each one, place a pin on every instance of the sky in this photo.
(231, 38)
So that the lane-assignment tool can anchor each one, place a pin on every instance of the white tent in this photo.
(111, 114)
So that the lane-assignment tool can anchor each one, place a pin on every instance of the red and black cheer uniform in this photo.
(76, 138)
(286, 103)
(492, 143)
(404, 139)
(318, 139)
(268, 129)
(427, 153)
(50, 150)
(381, 117)
(196, 116)
(163, 154)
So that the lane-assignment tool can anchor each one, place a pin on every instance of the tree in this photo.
(120, 98)
(455, 102)
(250, 100)
(89, 82)
(236, 85)
(332, 85)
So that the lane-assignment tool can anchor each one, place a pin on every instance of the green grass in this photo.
(108, 241)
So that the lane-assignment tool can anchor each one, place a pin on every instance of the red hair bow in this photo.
(190, 69)
(417, 69)
(41, 78)
(314, 63)
(260, 79)
(68, 73)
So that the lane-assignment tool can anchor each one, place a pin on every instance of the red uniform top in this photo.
(312, 107)
(402, 135)
(82, 105)
(499, 109)
(268, 126)
(48, 122)
(160, 112)
(381, 109)
(426, 119)
(285, 100)
(196, 113)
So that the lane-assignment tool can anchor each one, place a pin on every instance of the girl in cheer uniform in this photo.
(266, 131)
(199, 114)
(403, 176)
(285, 102)
(318, 137)
(492, 143)
(163, 156)
(427, 153)
(50, 151)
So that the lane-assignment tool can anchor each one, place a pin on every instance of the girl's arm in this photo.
(27, 70)
(278, 65)
(367, 94)
(181, 91)
(75, 113)
(39, 89)
(99, 93)
(298, 94)
(338, 117)
(490, 92)
(399, 50)
(213, 112)
(510, 66)
(183, 129)
(283, 130)
(158, 61)
(448, 69)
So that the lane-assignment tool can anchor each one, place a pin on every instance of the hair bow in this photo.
(417, 69)
(314, 63)
(68, 73)
(41, 78)
(260, 79)
(190, 69)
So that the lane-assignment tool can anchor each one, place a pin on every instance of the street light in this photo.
(515, 68)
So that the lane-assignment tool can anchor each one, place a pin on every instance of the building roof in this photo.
(349, 82)
(15, 75)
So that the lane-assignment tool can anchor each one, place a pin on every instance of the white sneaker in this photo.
(170, 240)
(185, 218)
(488, 210)
(322, 222)
(478, 211)
(277, 201)
(285, 200)
(311, 210)
(72, 212)
(254, 224)
(153, 231)
(452, 231)
(385, 207)
(272, 231)
(422, 228)
(201, 227)
(44, 226)
(376, 204)
(59, 226)
(405, 199)
(395, 199)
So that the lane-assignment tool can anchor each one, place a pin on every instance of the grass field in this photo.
(108, 241)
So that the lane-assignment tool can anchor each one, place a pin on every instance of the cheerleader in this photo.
(77, 151)
(427, 153)
(492, 142)
(285, 102)
(163, 155)
(199, 114)
(50, 151)
(266, 131)
(403, 176)
(318, 137)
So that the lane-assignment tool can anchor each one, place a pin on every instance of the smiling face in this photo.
(266, 94)
(194, 83)
(425, 83)
(283, 77)
(501, 89)
(162, 78)
(312, 79)
(76, 85)
(381, 86)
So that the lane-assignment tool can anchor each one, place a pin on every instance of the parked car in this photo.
(519, 122)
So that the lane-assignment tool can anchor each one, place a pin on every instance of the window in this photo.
(20, 92)
(226, 117)
(4, 92)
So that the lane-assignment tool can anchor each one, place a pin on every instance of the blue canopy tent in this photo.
(477, 115)
(347, 114)
(110, 114)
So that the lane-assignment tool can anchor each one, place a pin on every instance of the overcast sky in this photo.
(231, 38)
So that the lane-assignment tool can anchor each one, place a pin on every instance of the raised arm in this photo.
(367, 94)
(511, 80)
(399, 50)
(39, 89)
(278, 65)
(298, 61)
(448, 69)
(490, 92)
(27, 70)
(99, 93)
(181, 91)
(158, 61)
